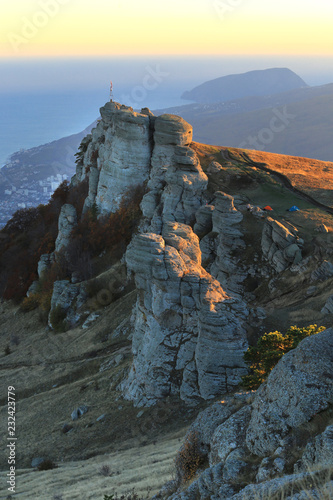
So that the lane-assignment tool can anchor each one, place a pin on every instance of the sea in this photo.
(43, 100)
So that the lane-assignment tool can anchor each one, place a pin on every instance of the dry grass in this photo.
(139, 468)
(313, 177)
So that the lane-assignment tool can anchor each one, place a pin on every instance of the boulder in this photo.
(328, 307)
(214, 167)
(172, 130)
(299, 387)
(280, 246)
(78, 412)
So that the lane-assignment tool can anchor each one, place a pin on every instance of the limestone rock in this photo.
(64, 296)
(172, 130)
(66, 223)
(323, 272)
(275, 488)
(328, 307)
(204, 220)
(318, 451)
(207, 422)
(298, 387)
(214, 167)
(186, 327)
(252, 443)
(44, 263)
(280, 246)
(35, 462)
(176, 182)
(322, 228)
(226, 219)
(229, 435)
(116, 156)
(78, 412)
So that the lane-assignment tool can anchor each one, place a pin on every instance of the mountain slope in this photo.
(295, 123)
(203, 192)
(252, 83)
(56, 157)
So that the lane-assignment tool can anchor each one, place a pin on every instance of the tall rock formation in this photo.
(188, 335)
(117, 155)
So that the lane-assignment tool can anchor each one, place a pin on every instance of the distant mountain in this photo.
(252, 83)
(252, 123)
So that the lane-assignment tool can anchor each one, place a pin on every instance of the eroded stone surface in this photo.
(188, 337)
(66, 223)
(280, 246)
(299, 387)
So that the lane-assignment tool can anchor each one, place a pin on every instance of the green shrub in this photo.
(269, 350)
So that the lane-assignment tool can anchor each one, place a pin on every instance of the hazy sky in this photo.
(33, 28)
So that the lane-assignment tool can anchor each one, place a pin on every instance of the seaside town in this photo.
(28, 194)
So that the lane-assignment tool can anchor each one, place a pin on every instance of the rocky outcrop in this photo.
(299, 387)
(249, 440)
(117, 155)
(318, 451)
(176, 182)
(188, 336)
(214, 167)
(66, 223)
(219, 245)
(67, 299)
(280, 246)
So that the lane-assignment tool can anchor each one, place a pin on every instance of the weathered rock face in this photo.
(188, 336)
(176, 182)
(299, 387)
(317, 451)
(244, 436)
(218, 245)
(66, 223)
(280, 246)
(117, 157)
(65, 294)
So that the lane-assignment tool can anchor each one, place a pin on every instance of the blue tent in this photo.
(293, 209)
